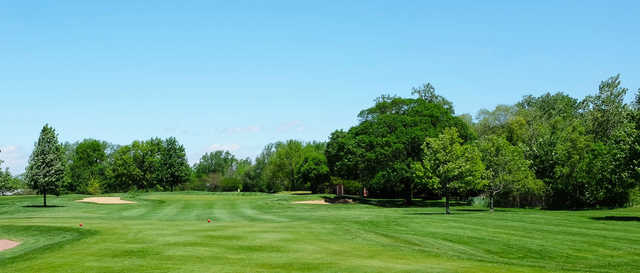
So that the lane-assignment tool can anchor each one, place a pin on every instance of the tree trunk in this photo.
(171, 187)
(44, 198)
(408, 200)
(491, 203)
(446, 204)
(446, 201)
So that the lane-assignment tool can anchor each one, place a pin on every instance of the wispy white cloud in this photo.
(14, 157)
(223, 147)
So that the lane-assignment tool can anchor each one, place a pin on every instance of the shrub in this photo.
(94, 187)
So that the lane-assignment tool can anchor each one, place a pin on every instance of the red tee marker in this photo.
(80, 225)
(208, 220)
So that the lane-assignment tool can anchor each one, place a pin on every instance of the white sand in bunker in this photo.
(7, 244)
(105, 200)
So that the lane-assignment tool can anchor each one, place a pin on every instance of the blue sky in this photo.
(237, 75)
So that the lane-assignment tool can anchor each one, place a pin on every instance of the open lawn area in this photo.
(256, 232)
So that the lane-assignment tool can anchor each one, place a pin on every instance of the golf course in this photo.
(258, 232)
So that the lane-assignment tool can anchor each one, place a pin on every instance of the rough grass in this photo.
(254, 232)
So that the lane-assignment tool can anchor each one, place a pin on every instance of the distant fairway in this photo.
(253, 232)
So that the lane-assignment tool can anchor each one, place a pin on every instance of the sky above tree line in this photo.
(236, 75)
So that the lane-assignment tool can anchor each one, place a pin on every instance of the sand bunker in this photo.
(324, 202)
(7, 244)
(105, 200)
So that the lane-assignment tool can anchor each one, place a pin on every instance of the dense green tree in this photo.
(502, 121)
(87, 164)
(314, 170)
(154, 164)
(45, 171)
(283, 165)
(450, 165)
(254, 178)
(428, 93)
(7, 182)
(507, 169)
(634, 150)
(147, 156)
(215, 162)
(380, 150)
(548, 121)
(174, 167)
(122, 171)
(606, 112)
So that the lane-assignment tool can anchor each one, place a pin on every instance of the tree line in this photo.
(550, 151)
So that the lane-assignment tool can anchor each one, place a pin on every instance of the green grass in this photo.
(253, 232)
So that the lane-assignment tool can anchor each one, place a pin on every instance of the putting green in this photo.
(254, 232)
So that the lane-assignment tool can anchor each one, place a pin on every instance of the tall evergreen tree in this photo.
(45, 171)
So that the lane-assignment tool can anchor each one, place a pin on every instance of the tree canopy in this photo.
(45, 171)
(380, 150)
(448, 166)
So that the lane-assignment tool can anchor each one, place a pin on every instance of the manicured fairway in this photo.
(252, 232)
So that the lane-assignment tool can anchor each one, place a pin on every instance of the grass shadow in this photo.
(455, 211)
(338, 200)
(41, 206)
(400, 203)
(617, 218)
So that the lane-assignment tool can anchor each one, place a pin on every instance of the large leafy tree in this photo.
(45, 171)
(583, 151)
(152, 164)
(174, 167)
(86, 165)
(634, 151)
(609, 166)
(122, 171)
(313, 170)
(502, 121)
(606, 112)
(546, 119)
(219, 162)
(256, 177)
(380, 150)
(449, 166)
(147, 156)
(507, 169)
(283, 166)
(428, 93)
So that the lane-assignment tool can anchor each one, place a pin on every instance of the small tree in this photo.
(506, 166)
(45, 171)
(448, 165)
(7, 182)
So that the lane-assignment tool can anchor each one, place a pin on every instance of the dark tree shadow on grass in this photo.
(617, 218)
(400, 203)
(459, 211)
(41, 206)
